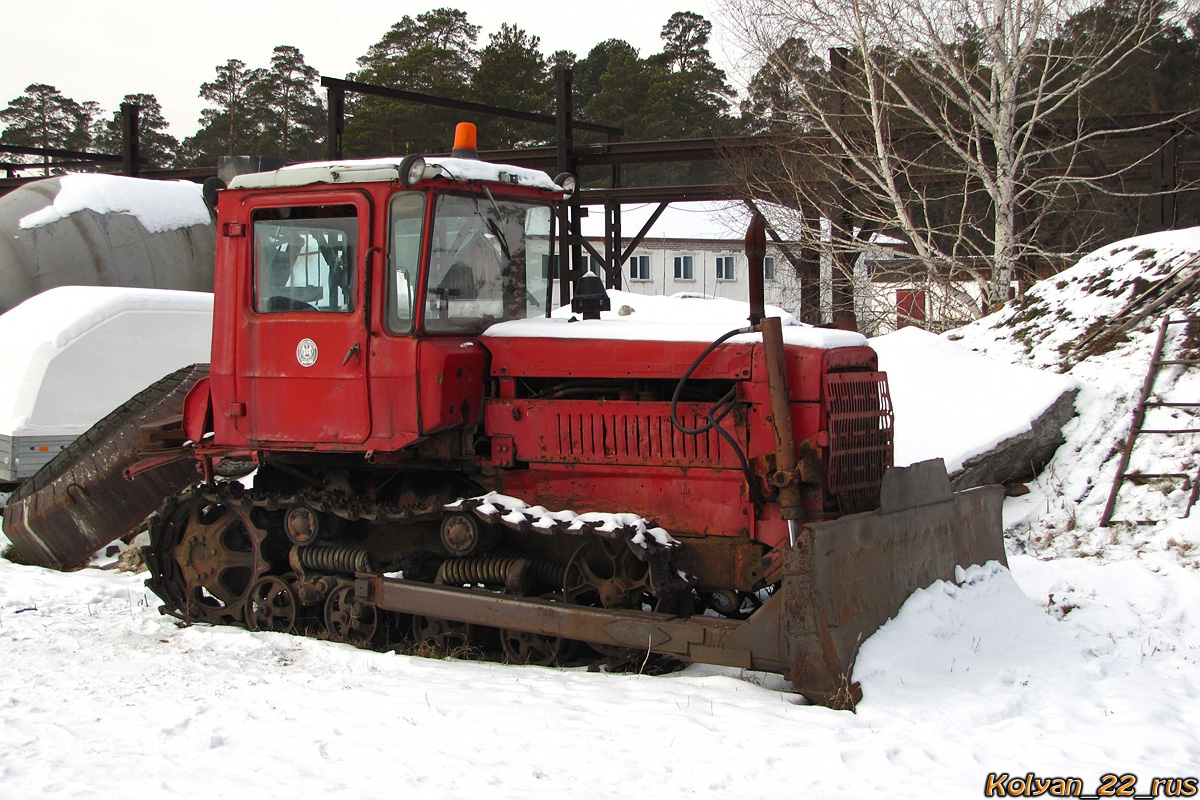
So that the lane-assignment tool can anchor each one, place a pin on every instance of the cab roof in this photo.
(388, 169)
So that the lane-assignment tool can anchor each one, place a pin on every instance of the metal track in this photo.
(81, 501)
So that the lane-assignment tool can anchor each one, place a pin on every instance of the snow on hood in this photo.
(953, 403)
(158, 205)
(683, 317)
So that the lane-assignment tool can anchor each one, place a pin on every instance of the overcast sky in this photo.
(104, 49)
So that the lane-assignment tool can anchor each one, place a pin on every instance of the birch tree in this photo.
(962, 127)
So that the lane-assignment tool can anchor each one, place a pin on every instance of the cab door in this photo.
(302, 364)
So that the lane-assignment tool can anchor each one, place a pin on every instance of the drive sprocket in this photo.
(204, 558)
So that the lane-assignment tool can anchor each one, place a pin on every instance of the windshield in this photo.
(486, 262)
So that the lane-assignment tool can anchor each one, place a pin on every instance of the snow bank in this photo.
(1058, 313)
(953, 403)
(158, 205)
(1061, 514)
(1080, 667)
(72, 354)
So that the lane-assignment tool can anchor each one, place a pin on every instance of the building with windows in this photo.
(694, 248)
(699, 248)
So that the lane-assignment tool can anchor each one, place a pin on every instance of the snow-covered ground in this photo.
(1079, 661)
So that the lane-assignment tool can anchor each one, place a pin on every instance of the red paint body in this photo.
(386, 396)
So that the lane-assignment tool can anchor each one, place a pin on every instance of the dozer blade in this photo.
(81, 501)
(846, 578)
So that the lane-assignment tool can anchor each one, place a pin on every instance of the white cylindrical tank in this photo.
(104, 230)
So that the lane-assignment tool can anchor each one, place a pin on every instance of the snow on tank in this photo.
(388, 169)
(73, 354)
(104, 230)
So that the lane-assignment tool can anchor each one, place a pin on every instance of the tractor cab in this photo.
(350, 295)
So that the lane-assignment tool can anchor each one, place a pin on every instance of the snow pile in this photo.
(928, 372)
(1065, 323)
(1047, 327)
(72, 354)
(158, 205)
(1073, 668)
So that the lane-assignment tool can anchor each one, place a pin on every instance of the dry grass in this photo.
(440, 648)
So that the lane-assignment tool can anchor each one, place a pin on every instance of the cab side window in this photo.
(304, 259)
(404, 259)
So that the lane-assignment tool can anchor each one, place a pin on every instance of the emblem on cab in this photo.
(306, 352)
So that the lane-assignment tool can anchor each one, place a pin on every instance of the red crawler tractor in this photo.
(433, 450)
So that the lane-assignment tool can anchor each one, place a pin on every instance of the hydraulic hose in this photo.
(717, 412)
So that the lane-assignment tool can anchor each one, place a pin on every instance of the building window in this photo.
(725, 268)
(639, 268)
(769, 268)
(546, 270)
(684, 268)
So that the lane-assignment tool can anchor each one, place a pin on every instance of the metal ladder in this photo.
(1139, 418)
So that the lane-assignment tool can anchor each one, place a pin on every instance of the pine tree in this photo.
(512, 74)
(233, 126)
(44, 117)
(291, 116)
(433, 54)
(618, 93)
(154, 143)
(772, 100)
(591, 69)
(696, 96)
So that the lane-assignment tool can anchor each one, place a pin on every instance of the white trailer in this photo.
(70, 355)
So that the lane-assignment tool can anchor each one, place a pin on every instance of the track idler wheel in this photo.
(606, 573)
(443, 634)
(271, 606)
(349, 619)
(521, 647)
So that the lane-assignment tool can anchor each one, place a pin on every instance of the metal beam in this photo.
(457, 105)
(104, 158)
(130, 141)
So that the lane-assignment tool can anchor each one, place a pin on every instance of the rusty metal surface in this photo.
(841, 582)
(81, 501)
(859, 413)
(785, 477)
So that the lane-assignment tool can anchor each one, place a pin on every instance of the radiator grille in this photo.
(859, 413)
(636, 438)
